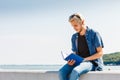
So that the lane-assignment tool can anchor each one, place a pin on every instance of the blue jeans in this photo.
(68, 72)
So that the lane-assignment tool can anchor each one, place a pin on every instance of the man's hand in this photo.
(71, 62)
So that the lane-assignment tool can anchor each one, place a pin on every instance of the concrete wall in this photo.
(53, 75)
(102, 75)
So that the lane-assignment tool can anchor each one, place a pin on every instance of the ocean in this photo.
(44, 67)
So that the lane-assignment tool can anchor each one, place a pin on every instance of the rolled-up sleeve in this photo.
(98, 40)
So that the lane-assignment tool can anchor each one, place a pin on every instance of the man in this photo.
(86, 43)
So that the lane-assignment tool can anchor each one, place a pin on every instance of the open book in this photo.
(70, 56)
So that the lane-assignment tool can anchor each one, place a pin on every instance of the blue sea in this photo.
(44, 67)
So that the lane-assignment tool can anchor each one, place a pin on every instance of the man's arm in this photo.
(93, 57)
(96, 55)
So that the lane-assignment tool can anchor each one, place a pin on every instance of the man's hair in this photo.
(77, 17)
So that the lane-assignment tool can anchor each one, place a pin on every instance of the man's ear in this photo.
(83, 22)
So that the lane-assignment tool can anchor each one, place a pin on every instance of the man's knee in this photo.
(79, 71)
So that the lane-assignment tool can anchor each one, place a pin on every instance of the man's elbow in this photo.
(100, 54)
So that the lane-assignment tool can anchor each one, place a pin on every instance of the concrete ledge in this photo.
(53, 75)
(101, 75)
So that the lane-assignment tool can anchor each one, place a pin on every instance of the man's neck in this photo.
(83, 31)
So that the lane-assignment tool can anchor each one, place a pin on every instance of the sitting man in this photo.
(86, 43)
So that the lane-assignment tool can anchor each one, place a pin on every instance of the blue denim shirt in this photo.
(94, 41)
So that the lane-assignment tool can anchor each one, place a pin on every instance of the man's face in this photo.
(77, 26)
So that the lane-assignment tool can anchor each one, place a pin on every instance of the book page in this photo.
(65, 54)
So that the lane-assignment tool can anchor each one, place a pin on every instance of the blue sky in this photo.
(35, 31)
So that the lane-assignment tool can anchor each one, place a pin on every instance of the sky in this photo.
(36, 31)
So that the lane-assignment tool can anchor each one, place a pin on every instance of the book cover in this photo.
(73, 56)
